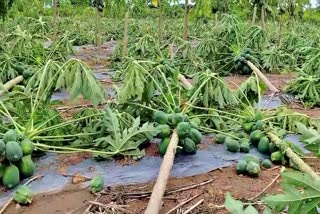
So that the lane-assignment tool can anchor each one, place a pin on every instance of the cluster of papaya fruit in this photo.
(26, 72)
(240, 62)
(252, 135)
(15, 158)
(250, 165)
(187, 130)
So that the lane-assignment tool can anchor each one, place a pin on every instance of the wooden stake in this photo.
(159, 188)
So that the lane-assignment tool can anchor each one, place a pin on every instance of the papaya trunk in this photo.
(126, 36)
(263, 25)
(159, 188)
(171, 51)
(55, 19)
(254, 14)
(10, 84)
(301, 165)
(185, 82)
(280, 28)
(271, 87)
(186, 20)
(160, 21)
(98, 39)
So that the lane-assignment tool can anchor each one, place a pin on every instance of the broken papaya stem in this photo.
(301, 165)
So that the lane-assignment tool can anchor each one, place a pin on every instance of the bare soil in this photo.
(76, 199)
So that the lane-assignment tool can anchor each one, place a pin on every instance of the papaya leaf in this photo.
(210, 90)
(232, 205)
(301, 194)
(134, 81)
(250, 210)
(310, 137)
(236, 207)
(125, 141)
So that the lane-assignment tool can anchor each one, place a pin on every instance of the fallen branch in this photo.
(180, 189)
(301, 165)
(111, 206)
(271, 87)
(66, 108)
(273, 168)
(182, 203)
(75, 175)
(244, 204)
(194, 206)
(266, 188)
(91, 204)
(190, 187)
(11, 199)
(10, 84)
(159, 188)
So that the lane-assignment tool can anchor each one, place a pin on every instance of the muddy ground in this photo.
(75, 199)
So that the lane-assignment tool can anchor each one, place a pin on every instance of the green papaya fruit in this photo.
(26, 166)
(183, 129)
(27, 146)
(195, 135)
(2, 146)
(253, 168)
(23, 195)
(189, 146)
(263, 145)
(241, 167)
(11, 176)
(13, 151)
(96, 184)
(10, 135)
(163, 146)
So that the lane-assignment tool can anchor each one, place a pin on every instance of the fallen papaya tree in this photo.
(299, 163)
(154, 204)
(271, 87)
(159, 188)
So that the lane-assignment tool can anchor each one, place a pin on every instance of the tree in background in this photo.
(5, 6)
(99, 5)
(56, 6)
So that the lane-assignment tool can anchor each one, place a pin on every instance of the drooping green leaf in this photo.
(77, 78)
